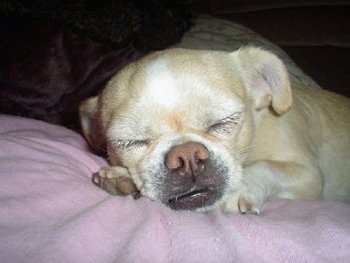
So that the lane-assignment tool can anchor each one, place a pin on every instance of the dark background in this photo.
(316, 34)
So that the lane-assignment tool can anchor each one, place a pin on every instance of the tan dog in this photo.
(203, 129)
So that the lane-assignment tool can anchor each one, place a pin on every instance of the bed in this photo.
(50, 211)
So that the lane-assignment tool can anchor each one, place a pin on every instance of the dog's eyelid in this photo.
(234, 118)
(222, 124)
(128, 143)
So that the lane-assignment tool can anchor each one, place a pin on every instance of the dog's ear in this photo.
(266, 79)
(89, 121)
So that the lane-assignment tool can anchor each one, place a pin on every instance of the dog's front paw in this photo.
(247, 204)
(256, 185)
(243, 201)
(115, 180)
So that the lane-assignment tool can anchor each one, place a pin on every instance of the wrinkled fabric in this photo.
(50, 211)
(45, 73)
(55, 54)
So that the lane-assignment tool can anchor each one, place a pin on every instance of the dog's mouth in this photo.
(195, 198)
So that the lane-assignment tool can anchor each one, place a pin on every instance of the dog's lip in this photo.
(192, 193)
(195, 198)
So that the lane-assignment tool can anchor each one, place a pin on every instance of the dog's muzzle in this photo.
(193, 179)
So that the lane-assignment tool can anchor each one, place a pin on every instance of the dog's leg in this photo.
(264, 179)
(115, 180)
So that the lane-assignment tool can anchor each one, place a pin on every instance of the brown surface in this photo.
(317, 37)
(305, 26)
(329, 66)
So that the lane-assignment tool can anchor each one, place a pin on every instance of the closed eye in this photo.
(226, 125)
(124, 144)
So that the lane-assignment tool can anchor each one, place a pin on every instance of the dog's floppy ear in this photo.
(90, 124)
(266, 79)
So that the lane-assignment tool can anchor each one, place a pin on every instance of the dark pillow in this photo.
(57, 53)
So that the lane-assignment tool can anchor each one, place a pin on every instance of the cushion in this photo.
(50, 211)
(212, 33)
(54, 54)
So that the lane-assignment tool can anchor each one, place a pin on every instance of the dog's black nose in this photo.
(187, 159)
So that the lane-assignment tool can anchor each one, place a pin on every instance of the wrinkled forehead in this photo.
(186, 84)
(178, 95)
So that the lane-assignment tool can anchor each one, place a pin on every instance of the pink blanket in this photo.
(51, 212)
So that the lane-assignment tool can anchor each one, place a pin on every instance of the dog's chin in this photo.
(195, 199)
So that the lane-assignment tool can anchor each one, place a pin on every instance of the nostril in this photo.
(187, 158)
(201, 154)
(180, 164)
(173, 162)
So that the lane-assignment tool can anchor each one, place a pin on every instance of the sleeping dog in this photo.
(198, 130)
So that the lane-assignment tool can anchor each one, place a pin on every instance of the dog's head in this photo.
(182, 120)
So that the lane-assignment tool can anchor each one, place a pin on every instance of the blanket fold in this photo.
(50, 211)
